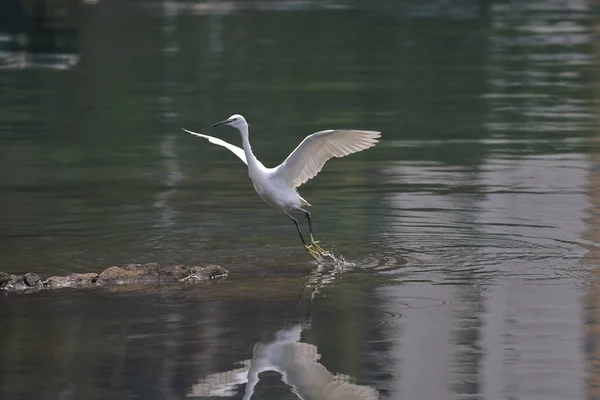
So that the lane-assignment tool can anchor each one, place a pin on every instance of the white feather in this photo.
(234, 149)
(308, 158)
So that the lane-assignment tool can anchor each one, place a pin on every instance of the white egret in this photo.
(277, 186)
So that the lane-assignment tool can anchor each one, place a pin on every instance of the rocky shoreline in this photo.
(129, 274)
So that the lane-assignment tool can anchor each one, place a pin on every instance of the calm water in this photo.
(469, 234)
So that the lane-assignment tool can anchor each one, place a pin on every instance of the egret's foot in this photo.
(315, 243)
(313, 253)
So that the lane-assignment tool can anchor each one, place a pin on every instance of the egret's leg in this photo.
(310, 228)
(308, 248)
(297, 227)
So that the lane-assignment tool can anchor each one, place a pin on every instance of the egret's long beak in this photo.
(221, 123)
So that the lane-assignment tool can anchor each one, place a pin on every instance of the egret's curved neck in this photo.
(253, 163)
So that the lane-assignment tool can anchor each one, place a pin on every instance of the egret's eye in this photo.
(234, 119)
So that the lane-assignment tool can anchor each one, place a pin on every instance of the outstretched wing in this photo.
(309, 157)
(234, 149)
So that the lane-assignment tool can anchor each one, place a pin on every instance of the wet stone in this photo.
(4, 278)
(216, 272)
(15, 283)
(112, 273)
(84, 279)
(132, 274)
(59, 282)
(118, 276)
(31, 279)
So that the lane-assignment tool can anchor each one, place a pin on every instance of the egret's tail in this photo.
(303, 202)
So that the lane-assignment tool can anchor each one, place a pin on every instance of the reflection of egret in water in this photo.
(298, 365)
(296, 362)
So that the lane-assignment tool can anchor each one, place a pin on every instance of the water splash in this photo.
(329, 258)
(329, 268)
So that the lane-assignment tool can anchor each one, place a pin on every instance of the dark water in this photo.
(469, 234)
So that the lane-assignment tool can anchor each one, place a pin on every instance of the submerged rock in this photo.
(129, 274)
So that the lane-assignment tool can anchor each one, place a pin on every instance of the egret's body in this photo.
(277, 186)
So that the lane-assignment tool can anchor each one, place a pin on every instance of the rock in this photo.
(174, 274)
(145, 272)
(4, 278)
(153, 273)
(71, 280)
(118, 276)
(215, 272)
(138, 274)
(181, 273)
(31, 279)
(15, 283)
(88, 278)
(59, 282)
(210, 272)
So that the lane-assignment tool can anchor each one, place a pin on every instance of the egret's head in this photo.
(236, 120)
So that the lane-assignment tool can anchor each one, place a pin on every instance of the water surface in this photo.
(469, 234)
